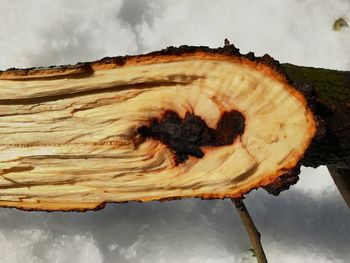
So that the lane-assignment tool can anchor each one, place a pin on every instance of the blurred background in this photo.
(308, 223)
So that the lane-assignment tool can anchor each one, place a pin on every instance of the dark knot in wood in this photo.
(185, 136)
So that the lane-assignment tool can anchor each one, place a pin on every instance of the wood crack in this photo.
(62, 96)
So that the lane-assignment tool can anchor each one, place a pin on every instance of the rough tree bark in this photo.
(181, 122)
(331, 92)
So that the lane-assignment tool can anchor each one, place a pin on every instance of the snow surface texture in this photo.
(309, 223)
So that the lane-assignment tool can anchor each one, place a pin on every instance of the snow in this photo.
(308, 223)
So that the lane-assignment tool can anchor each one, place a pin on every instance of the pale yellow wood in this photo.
(72, 142)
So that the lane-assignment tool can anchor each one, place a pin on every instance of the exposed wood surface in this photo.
(69, 136)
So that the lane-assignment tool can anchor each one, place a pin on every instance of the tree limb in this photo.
(181, 122)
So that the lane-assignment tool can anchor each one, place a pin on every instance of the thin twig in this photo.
(253, 233)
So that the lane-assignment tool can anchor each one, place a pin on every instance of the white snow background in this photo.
(309, 223)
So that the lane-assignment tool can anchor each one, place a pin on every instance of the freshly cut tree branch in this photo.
(181, 122)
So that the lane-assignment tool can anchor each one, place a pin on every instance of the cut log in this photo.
(182, 122)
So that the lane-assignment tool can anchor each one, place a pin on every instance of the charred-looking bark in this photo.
(330, 91)
(181, 122)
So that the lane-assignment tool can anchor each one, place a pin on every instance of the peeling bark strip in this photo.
(78, 137)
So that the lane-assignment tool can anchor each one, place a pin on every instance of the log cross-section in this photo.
(71, 137)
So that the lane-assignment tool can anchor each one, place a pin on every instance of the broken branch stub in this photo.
(181, 122)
